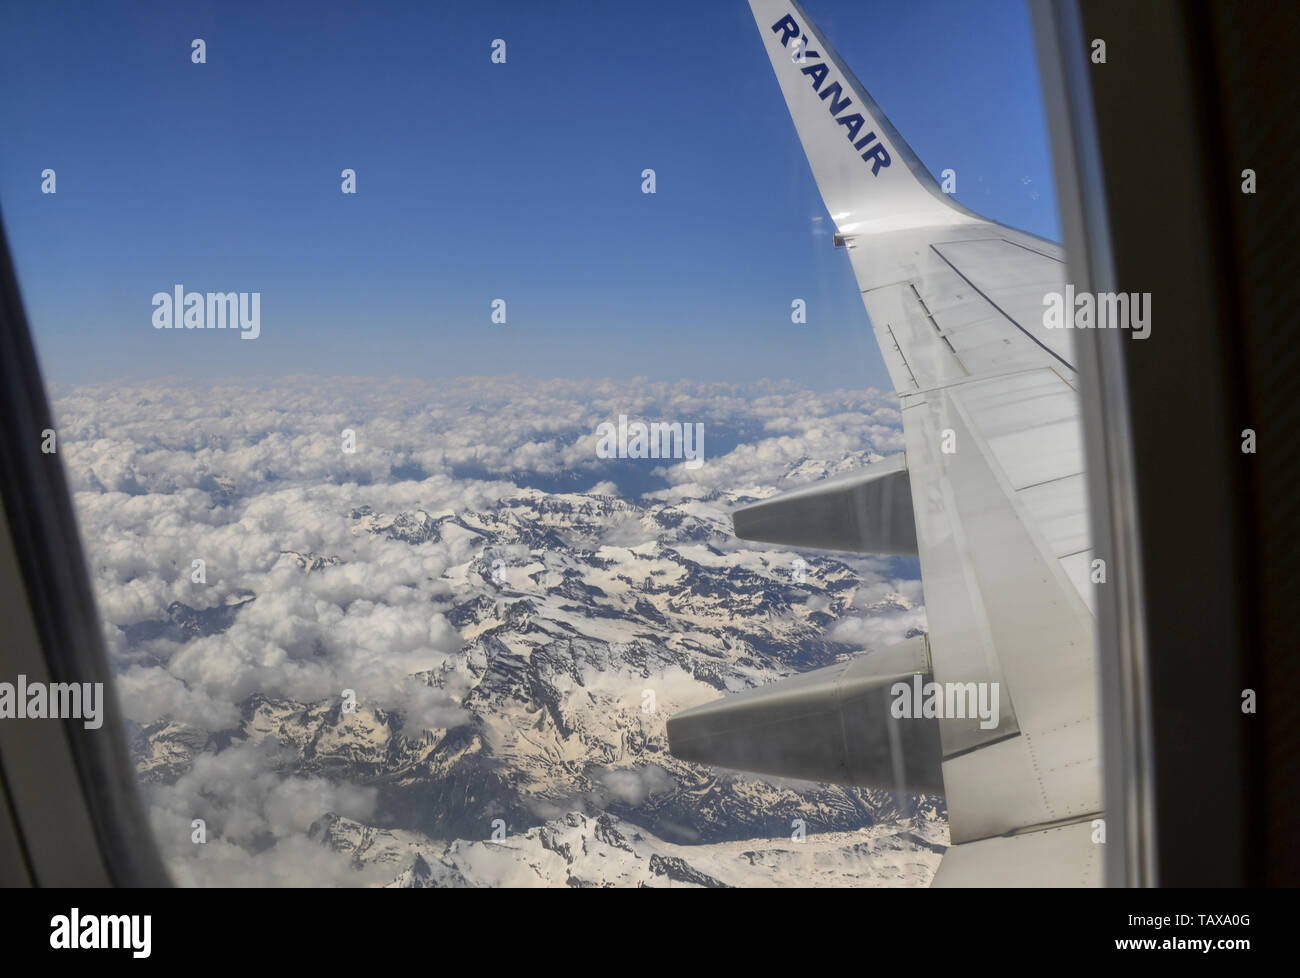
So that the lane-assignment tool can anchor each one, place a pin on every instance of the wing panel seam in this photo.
(1008, 316)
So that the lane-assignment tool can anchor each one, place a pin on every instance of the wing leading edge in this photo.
(994, 467)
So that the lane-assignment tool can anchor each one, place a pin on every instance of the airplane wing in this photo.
(992, 481)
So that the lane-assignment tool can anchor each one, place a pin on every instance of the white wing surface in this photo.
(994, 462)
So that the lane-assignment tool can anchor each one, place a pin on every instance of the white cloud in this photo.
(235, 473)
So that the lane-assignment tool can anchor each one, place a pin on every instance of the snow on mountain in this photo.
(512, 654)
(600, 850)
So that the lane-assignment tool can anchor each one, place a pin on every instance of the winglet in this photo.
(868, 176)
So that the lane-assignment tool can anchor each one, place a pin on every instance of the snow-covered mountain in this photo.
(601, 850)
(432, 685)
(565, 642)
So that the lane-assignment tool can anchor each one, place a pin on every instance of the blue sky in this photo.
(476, 181)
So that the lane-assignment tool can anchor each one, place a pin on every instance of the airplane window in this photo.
(498, 468)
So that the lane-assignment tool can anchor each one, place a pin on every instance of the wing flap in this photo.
(832, 725)
(869, 512)
(1063, 855)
